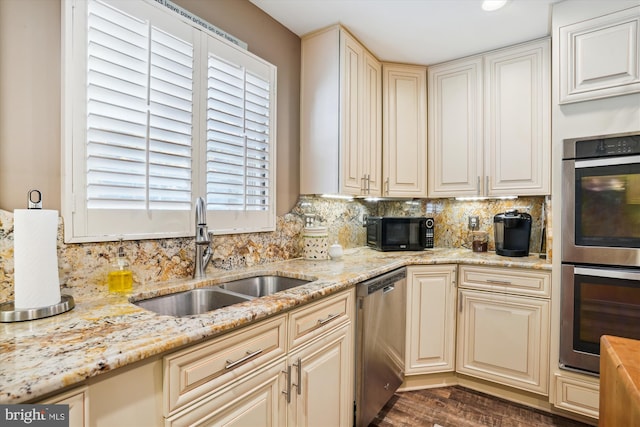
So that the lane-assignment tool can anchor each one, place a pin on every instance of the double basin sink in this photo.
(202, 300)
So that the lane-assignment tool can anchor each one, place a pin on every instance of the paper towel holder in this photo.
(8, 313)
(34, 203)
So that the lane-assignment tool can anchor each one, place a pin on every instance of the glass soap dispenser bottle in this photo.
(120, 277)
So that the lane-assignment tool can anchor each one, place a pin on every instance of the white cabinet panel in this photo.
(600, 57)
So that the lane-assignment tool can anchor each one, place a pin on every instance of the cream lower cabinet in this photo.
(78, 401)
(577, 393)
(253, 401)
(292, 370)
(321, 381)
(431, 319)
(503, 332)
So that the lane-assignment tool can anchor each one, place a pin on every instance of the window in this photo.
(159, 112)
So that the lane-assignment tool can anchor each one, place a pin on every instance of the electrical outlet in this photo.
(474, 222)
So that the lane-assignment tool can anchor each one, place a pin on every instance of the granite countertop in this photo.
(106, 331)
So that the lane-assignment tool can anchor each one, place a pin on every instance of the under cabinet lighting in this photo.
(491, 5)
(479, 198)
(337, 196)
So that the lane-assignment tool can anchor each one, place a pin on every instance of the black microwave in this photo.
(385, 233)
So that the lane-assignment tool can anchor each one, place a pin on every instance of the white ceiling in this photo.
(418, 31)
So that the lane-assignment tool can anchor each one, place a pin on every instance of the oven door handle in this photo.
(609, 161)
(611, 274)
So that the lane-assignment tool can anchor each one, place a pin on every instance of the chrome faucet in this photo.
(203, 241)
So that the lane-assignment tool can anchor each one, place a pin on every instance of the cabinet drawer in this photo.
(256, 400)
(192, 373)
(518, 281)
(577, 396)
(312, 320)
(78, 401)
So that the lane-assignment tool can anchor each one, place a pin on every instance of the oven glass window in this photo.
(604, 306)
(608, 206)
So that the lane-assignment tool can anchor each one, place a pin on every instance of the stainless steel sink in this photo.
(260, 286)
(195, 301)
(202, 300)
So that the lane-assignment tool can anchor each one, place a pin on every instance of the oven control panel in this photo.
(606, 147)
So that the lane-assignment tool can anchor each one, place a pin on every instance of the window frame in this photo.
(111, 225)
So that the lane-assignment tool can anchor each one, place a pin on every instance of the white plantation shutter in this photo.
(139, 114)
(240, 152)
(162, 112)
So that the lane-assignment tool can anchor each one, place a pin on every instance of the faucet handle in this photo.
(202, 234)
(201, 212)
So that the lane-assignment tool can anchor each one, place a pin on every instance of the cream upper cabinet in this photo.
(489, 123)
(455, 149)
(404, 127)
(600, 57)
(431, 319)
(340, 115)
(371, 174)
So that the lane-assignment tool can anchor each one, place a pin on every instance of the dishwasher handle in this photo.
(381, 282)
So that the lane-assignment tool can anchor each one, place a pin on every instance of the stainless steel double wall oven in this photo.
(600, 245)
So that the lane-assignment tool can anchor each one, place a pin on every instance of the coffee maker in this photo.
(512, 230)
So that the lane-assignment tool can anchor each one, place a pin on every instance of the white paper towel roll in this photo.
(35, 258)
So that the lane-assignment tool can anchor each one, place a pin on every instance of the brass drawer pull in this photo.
(231, 364)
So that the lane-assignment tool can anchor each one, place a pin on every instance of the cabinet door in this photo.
(600, 57)
(254, 401)
(431, 319)
(455, 143)
(352, 71)
(505, 339)
(372, 126)
(322, 391)
(404, 130)
(517, 120)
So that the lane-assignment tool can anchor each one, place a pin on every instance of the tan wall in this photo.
(30, 92)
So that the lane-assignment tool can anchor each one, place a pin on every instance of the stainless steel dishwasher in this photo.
(379, 342)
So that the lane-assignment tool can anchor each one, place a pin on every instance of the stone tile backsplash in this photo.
(87, 264)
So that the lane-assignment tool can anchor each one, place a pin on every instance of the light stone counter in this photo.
(105, 332)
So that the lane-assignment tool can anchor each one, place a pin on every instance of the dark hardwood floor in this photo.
(461, 407)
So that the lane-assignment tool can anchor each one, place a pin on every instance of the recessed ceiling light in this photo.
(491, 5)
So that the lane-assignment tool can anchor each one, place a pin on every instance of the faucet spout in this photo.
(203, 241)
